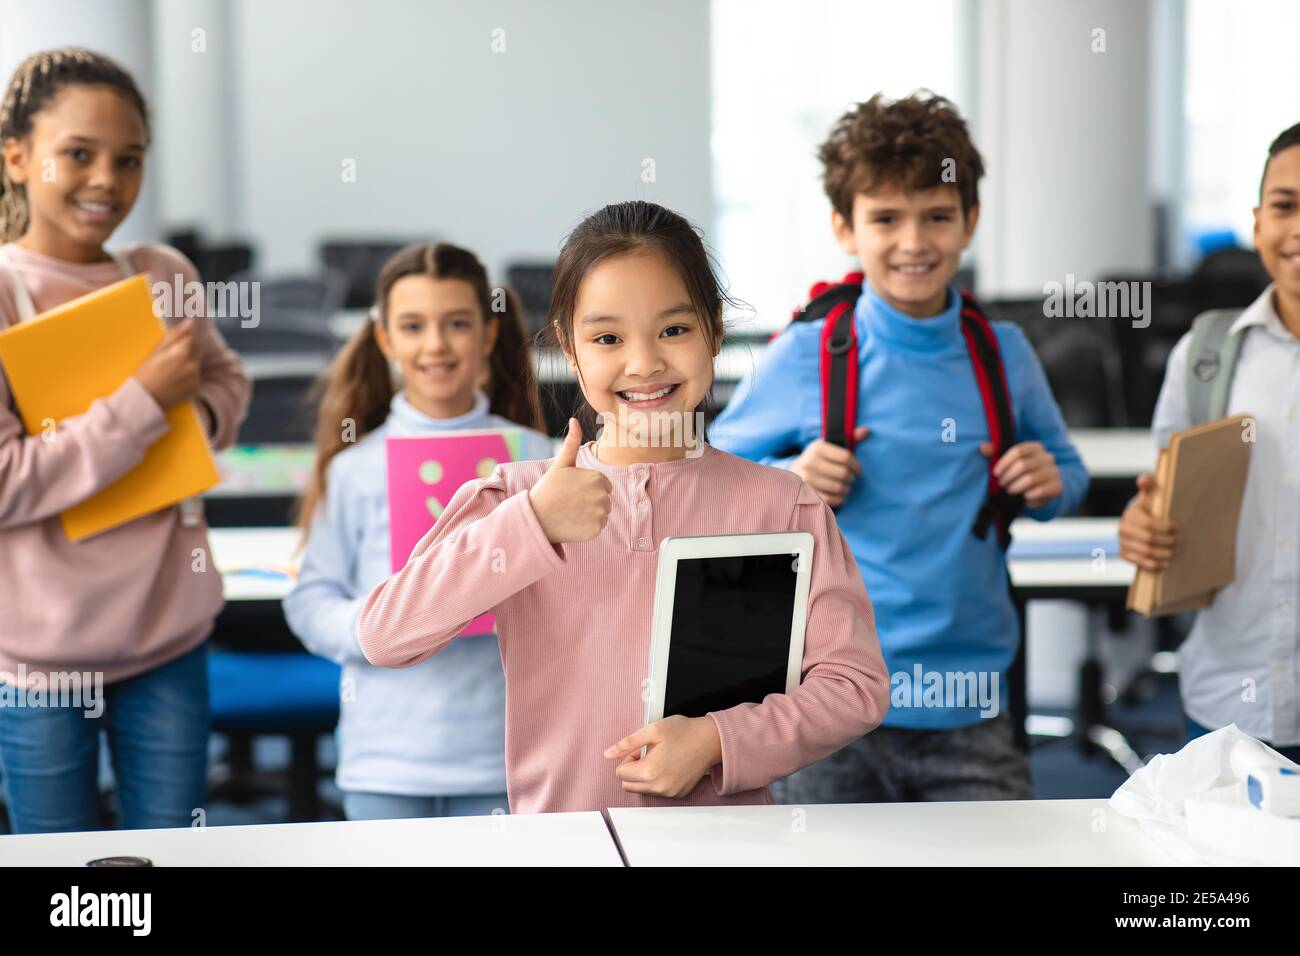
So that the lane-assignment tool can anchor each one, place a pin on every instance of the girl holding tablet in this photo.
(564, 552)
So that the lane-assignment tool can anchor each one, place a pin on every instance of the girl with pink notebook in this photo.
(427, 740)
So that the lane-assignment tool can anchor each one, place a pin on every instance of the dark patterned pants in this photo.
(896, 764)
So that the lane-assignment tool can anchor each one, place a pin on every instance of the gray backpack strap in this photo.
(123, 262)
(22, 298)
(1211, 360)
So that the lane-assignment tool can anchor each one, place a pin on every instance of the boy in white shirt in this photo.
(1241, 662)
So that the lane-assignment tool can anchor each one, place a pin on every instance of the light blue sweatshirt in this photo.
(943, 611)
(435, 729)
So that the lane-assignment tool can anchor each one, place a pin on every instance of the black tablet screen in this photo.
(731, 632)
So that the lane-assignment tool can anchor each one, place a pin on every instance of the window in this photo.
(1241, 78)
(782, 74)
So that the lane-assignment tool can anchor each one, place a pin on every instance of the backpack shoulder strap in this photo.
(1211, 360)
(839, 376)
(838, 353)
(999, 508)
(123, 261)
(22, 298)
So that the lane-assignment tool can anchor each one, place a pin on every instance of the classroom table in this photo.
(282, 470)
(258, 564)
(270, 470)
(260, 484)
(1083, 565)
(543, 839)
(994, 833)
(1115, 454)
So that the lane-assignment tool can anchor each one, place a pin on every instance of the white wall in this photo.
(502, 152)
(117, 28)
(193, 49)
(1064, 133)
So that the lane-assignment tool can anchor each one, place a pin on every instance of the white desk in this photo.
(238, 552)
(1115, 454)
(264, 471)
(1002, 833)
(259, 547)
(543, 839)
(1030, 575)
(1119, 454)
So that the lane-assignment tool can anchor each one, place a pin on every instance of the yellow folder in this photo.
(61, 361)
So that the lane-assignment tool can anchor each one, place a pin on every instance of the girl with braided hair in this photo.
(126, 611)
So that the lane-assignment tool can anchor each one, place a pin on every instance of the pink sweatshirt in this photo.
(134, 597)
(574, 625)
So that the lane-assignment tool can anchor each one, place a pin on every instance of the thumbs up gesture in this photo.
(571, 503)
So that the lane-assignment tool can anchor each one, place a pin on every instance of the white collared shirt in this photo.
(1240, 664)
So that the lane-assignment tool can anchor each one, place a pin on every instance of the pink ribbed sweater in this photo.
(574, 625)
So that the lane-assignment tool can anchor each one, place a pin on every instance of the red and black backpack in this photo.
(834, 302)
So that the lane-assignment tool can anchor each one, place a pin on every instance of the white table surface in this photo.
(252, 547)
(1105, 571)
(234, 548)
(542, 839)
(1115, 452)
(1001, 833)
(242, 480)
(1120, 453)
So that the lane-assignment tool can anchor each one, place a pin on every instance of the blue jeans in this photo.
(360, 805)
(157, 725)
(1195, 730)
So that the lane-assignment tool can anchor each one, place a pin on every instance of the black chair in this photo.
(1144, 352)
(1230, 278)
(532, 281)
(282, 409)
(303, 303)
(1078, 355)
(216, 263)
(359, 263)
(187, 242)
(293, 316)
(257, 340)
(280, 694)
(220, 263)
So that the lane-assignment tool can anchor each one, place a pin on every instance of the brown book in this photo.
(1199, 478)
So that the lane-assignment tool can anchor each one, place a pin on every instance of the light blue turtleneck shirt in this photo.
(434, 729)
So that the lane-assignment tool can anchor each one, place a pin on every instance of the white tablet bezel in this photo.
(674, 549)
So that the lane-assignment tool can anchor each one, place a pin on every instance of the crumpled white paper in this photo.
(1156, 795)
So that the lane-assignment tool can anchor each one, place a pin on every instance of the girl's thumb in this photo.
(568, 456)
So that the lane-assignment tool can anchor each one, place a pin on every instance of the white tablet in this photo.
(729, 617)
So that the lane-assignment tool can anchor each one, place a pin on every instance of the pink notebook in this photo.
(424, 471)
